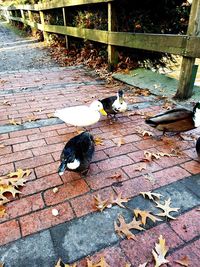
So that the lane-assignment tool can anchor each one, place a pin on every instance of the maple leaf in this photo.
(124, 228)
(19, 173)
(14, 122)
(144, 215)
(150, 195)
(183, 261)
(101, 263)
(160, 252)
(119, 200)
(98, 141)
(100, 203)
(2, 212)
(8, 188)
(166, 209)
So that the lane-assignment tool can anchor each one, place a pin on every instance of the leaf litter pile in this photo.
(9, 184)
(140, 218)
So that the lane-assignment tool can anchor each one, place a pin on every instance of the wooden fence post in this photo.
(65, 24)
(112, 53)
(45, 34)
(186, 82)
(22, 14)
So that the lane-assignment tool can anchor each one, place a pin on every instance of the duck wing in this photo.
(107, 103)
(78, 115)
(170, 116)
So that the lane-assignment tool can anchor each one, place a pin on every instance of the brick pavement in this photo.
(80, 230)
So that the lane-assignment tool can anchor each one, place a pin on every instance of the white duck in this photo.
(81, 116)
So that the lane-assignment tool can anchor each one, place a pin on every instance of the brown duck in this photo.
(176, 120)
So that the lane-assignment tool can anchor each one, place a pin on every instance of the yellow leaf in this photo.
(61, 264)
(120, 142)
(183, 261)
(31, 118)
(8, 188)
(19, 173)
(14, 122)
(98, 141)
(2, 212)
(101, 263)
(144, 215)
(160, 252)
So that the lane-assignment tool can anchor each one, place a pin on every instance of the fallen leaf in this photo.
(120, 142)
(61, 264)
(39, 110)
(144, 215)
(2, 212)
(20, 173)
(124, 228)
(128, 265)
(150, 178)
(140, 167)
(143, 265)
(160, 252)
(119, 200)
(50, 115)
(147, 133)
(2, 145)
(14, 122)
(166, 209)
(183, 261)
(98, 141)
(6, 103)
(101, 263)
(115, 176)
(149, 156)
(31, 118)
(150, 195)
(8, 188)
(100, 203)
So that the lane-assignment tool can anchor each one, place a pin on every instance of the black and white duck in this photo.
(198, 147)
(81, 116)
(77, 154)
(114, 104)
(176, 120)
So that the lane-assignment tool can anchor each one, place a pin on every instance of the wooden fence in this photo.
(187, 46)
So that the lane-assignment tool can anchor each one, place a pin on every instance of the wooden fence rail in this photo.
(187, 46)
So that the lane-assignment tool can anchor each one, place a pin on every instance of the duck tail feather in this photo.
(150, 122)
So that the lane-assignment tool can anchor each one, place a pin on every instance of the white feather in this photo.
(73, 165)
(80, 115)
(120, 107)
(197, 118)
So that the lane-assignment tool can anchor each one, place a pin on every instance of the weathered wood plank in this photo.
(112, 53)
(185, 87)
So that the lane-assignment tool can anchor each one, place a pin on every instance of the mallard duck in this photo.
(77, 154)
(81, 115)
(198, 147)
(114, 104)
(176, 120)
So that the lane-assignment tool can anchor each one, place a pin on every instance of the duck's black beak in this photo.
(62, 168)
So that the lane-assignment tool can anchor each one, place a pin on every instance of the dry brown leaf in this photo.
(140, 167)
(144, 215)
(101, 263)
(100, 203)
(183, 261)
(119, 200)
(166, 209)
(150, 195)
(50, 115)
(2, 212)
(149, 156)
(115, 176)
(160, 252)
(124, 228)
(6, 103)
(14, 122)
